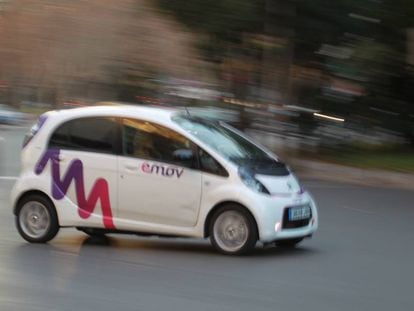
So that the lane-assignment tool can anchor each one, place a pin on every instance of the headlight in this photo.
(250, 181)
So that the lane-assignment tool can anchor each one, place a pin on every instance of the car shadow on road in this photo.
(274, 251)
(153, 244)
(177, 245)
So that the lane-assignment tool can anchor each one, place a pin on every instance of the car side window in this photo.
(210, 165)
(146, 140)
(60, 138)
(98, 134)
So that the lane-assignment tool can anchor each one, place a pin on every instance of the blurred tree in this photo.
(219, 22)
(90, 49)
(363, 43)
(223, 28)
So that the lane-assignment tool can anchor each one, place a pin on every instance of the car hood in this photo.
(280, 184)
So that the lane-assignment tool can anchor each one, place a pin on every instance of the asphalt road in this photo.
(11, 140)
(361, 259)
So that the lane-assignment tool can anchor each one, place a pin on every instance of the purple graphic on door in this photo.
(99, 190)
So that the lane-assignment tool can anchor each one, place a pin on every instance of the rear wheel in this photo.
(233, 230)
(36, 219)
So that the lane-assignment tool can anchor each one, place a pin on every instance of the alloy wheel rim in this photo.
(34, 219)
(231, 231)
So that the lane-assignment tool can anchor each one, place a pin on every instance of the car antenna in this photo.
(188, 112)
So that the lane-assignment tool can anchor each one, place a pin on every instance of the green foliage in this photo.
(217, 17)
(375, 32)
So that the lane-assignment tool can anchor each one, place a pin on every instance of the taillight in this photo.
(34, 130)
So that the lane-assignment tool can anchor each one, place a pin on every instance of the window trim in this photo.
(118, 146)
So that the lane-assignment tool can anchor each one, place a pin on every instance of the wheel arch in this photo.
(28, 193)
(220, 205)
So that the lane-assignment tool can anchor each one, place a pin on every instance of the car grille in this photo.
(287, 224)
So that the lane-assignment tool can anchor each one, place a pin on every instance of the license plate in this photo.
(299, 213)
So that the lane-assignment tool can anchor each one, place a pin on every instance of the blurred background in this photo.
(316, 81)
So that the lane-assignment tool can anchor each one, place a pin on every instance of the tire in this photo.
(288, 243)
(36, 219)
(230, 240)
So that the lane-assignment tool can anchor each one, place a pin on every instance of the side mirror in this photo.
(185, 156)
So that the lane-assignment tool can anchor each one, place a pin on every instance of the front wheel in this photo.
(36, 219)
(233, 231)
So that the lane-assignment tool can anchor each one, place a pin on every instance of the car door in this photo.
(83, 156)
(155, 185)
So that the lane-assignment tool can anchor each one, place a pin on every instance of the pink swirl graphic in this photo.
(60, 187)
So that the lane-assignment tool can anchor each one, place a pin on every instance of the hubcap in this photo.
(231, 231)
(34, 219)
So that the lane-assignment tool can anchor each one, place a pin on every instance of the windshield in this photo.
(222, 139)
(232, 146)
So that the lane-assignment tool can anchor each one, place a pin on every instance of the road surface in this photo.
(362, 258)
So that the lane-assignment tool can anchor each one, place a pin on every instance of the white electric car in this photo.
(153, 171)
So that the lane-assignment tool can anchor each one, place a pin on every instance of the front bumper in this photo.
(269, 214)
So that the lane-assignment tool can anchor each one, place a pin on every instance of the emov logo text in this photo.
(74, 172)
(158, 169)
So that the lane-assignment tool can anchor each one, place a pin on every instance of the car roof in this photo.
(150, 113)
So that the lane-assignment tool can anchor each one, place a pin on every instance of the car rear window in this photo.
(98, 134)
